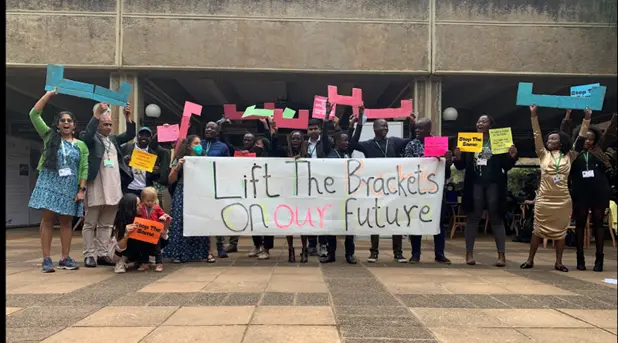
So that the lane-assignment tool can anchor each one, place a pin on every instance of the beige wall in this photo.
(571, 37)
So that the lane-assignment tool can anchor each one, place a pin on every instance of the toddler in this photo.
(149, 209)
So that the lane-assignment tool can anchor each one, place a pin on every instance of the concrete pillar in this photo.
(136, 99)
(427, 95)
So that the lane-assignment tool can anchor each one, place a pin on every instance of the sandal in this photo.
(159, 268)
(210, 259)
(527, 265)
(561, 268)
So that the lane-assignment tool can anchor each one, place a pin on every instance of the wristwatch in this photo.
(83, 189)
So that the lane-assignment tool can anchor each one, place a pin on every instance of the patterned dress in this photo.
(57, 193)
(181, 248)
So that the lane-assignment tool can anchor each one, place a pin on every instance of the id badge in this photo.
(64, 172)
(587, 174)
(108, 163)
(556, 179)
(481, 162)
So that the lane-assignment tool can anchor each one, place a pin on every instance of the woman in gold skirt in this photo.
(552, 211)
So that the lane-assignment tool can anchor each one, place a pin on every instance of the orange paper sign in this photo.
(146, 230)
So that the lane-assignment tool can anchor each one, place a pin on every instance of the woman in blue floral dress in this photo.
(61, 185)
(180, 248)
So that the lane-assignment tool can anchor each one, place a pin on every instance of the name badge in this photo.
(108, 163)
(556, 179)
(481, 162)
(64, 172)
(587, 174)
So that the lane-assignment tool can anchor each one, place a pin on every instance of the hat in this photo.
(145, 128)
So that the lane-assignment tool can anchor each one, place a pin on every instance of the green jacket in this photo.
(44, 131)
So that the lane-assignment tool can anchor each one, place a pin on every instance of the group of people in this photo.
(93, 171)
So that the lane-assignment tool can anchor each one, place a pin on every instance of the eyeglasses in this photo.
(66, 120)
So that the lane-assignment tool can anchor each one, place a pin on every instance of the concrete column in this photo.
(136, 99)
(427, 95)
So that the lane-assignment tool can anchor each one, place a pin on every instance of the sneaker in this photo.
(143, 268)
(443, 260)
(159, 268)
(121, 266)
(68, 263)
(263, 256)
(323, 252)
(329, 258)
(48, 265)
(312, 251)
(90, 262)
(415, 259)
(231, 248)
(350, 259)
(255, 252)
(373, 257)
(400, 259)
(221, 253)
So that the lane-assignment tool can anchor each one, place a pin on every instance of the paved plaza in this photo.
(244, 300)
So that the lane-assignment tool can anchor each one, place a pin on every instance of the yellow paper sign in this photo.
(142, 160)
(501, 140)
(470, 141)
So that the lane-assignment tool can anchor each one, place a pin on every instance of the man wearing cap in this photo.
(160, 172)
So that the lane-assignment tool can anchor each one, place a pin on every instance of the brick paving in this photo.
(242, 300)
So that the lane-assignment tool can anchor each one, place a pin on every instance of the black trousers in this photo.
(348, 243)
(314, 240)
(141, 251)
(397, 244)
(267, 242)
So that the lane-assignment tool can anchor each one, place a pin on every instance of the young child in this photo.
(150, 209)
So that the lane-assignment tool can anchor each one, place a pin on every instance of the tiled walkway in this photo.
(243, 300)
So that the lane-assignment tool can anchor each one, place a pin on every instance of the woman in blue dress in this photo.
(61, 185)
(182, 249)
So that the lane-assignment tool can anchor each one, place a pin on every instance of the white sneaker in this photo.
(121, 266)
(263, 256)
(255, 252)
(323, 251)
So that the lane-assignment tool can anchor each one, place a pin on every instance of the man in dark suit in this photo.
(142, 179)
(108, 174)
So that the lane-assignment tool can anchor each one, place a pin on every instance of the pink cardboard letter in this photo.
(404, 111)
(191, 108)
(435, 146)
(356, 100)
(167, 133)
(299, 123)
(229, 112)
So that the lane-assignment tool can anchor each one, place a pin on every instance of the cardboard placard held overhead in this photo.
(355, 100)
(168, 133)
(501, 140)
(142, 160)
(584, 90)
(319, 108)
(470, 141)
(230, 112)
(594, 102)
(147, 231)
(284, 119)
(435, 146)
(189, 109)
(402, 112)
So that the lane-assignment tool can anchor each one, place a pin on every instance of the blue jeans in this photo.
(438, 243)
(220, 241)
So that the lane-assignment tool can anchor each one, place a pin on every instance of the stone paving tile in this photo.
(517, 301)
(378, 340)
(100, 335)
(381, 330)
(28, 334)
(48, 316)
(135, 299)
(460, 317)
(570, 335)
(242, 299)
(25, 300)
(278, 299)
(373, 311)
(355, 286)
(479, 335)
(312, 299)
(209, 299)
(113, 316)
(218, 334)
(605, 319)
(370, 320)
(208, 315)
(296, 315)
(291, 333)
(435, 301)
(169, 299)
(367, 299)
(483, 301)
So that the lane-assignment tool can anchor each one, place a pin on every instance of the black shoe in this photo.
(291, 255)
(350, 259)
(105, 261)
(400, 259)
(304, 255)
(415, 259)
(581, 262)
(231, 249)
(598, 263)
(90, 262)
(442, 259)
(329, 258)
(373, 257)
(312, 251)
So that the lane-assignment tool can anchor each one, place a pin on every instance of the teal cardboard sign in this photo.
(594, 102)
(583, 91)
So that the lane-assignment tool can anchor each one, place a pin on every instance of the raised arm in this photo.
(609, 135)
(129, 133)
(354, 141)
(35, 114)
(581, 137)
(93, 125)
(567, 124)
(539, 145)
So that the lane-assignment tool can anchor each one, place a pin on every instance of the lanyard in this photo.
(586, 159)
(558, 163)
(65, 154)
(385, 151)
(107, 144)
(208, 147)
(148, 212)
(315, 146)
(339, 155)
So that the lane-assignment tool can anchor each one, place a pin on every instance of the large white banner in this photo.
(282, 196)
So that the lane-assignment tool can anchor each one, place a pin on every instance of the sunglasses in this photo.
(66, 120)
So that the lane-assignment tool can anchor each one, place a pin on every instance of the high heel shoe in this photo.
(291, 255)
(304, 256)
(581, 262)
(598, 263)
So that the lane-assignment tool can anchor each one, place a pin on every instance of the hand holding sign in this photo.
(142, 160)
(146, 230)
(435, 146)
(470, 141)
(501, 140)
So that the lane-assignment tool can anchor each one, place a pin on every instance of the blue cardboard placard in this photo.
(594, 102)
(55, 74)
(119, 98)
(584, 90)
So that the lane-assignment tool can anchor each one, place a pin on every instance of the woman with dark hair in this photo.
(61, 185)
(590, 188)
(296, 148)
(184, 249)
(552, 209)
(485, 188)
